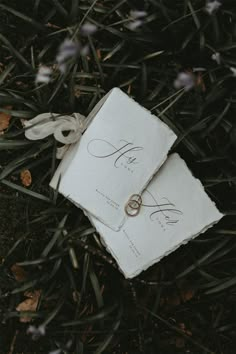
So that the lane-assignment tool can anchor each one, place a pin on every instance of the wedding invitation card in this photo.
(175, 209)
(121, 150)
(142, 209)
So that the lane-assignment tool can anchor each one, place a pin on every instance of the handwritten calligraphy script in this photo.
(164, 208)
(124, 153)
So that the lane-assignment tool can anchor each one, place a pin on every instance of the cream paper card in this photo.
(175, 209)
(117, 156)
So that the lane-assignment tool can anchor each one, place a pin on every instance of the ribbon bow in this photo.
(47, 124)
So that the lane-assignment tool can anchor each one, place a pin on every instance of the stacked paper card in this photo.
(120, 155)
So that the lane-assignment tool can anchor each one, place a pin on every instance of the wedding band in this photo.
(133, 204)
(138, 197)
(132, 207)
(131, 212)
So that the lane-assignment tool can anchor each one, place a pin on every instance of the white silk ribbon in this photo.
(47, 124)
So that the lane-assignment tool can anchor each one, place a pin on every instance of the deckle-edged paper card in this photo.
(175, 209)
(121, 150)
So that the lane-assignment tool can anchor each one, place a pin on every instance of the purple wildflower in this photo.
(56, 351)
(44, 75)
(62, 350)
(84, 50)
(216, 57)
(184, 80)
(233, 70)
(88, 29)
(67, 50)
(36, 332)
(132, 26)
(138, 14)
(136, 20)
(212, 6)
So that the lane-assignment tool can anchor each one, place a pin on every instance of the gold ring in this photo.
(133, 204)
(132, 207)
(138, 197)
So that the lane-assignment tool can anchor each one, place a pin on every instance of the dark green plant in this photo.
(185, 303)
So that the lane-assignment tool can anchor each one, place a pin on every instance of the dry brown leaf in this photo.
(187, 294)
(19, 273)
(4, 119)
(184, 329)
(173, 300)
(51, 25)
(77, 91)
(200, 82)
(30, 304)
(12, 347)
(26, 178)
(184, 294)
(76, 296)
(179, 342)
(99, 55)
